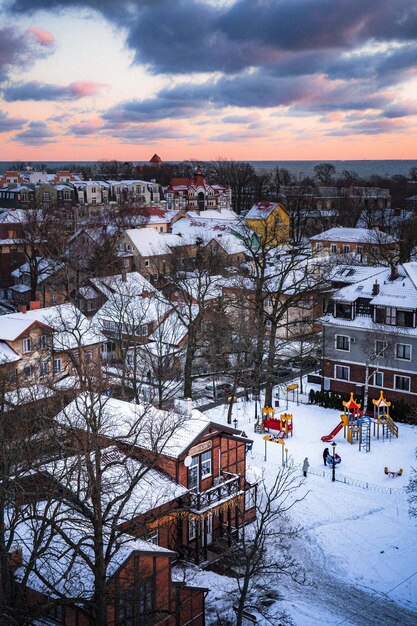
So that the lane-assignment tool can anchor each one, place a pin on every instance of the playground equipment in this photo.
(393, 474)
(283, 424)
(383, 418)
(357, 426)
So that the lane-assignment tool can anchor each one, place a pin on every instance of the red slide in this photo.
(333, 433)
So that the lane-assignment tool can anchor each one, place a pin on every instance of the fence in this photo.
(363, 484)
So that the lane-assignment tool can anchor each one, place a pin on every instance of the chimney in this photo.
(375, 288)
(34, 304)
(394, 272)
(22, 308)
(145, 293)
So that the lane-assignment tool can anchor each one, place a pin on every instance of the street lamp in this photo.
(333, 462)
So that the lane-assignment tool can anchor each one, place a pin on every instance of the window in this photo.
(191, 529)
(193, 477)
(89, 356)
(341, 372)
(346, 248)
(380, 347)
(57, 366)
(359, 249)
(146, 598)
(250, 499)
(53, 297)
(67, 195)
(27, 372)
(27, 345)
(206, 464)
(90, 305)
(93, 190)
(405, 318)
(44, 368)
(403, 351)
(152, 537)
(126, 608)
(342, 342)
(147, 263)
(378, 379)
(402, 383)
(43, 342)
(319, 247)
(143, 330)
(333, 248)
(343, 310)
(390, 315)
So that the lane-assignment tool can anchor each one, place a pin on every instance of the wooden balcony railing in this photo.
(228, 488)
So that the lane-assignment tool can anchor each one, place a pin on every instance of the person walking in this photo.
(306, 465)
(325, 455)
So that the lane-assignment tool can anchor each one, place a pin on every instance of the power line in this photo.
(385, 593)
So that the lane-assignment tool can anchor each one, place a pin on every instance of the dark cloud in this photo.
(8, 124)
(193, 36)
(368, 127)
(36, 134)
(312, 56)
(35, 90)
(20, 49)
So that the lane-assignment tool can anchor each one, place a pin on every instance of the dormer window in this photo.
(27, 345)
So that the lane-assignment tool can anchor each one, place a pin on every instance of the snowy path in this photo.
(358, 546)
(330, 598)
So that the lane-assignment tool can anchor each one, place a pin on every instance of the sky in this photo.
(192, 79)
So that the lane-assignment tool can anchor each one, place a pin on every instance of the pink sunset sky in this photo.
(242, 79)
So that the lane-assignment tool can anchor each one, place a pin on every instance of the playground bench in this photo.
(393, 474)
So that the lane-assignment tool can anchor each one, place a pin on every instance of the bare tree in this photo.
(261, 553)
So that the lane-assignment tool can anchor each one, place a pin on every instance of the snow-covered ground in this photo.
(358, 545)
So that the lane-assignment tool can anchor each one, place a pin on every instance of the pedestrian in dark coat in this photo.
(325, 455)
(306, 465)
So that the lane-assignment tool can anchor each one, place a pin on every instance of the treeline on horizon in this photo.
(244, 180)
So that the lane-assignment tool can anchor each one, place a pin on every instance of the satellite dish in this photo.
(188, 460)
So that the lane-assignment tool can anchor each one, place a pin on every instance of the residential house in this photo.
(364, 243)
(52, 283)
(196, 194)
(270, 221)
(210, 494)
(370, 335)
(49, 343)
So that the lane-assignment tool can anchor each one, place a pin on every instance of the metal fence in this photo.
(363, 484)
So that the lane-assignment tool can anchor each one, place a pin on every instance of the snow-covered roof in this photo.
(354, 273)
(149, 242)
(354, 235)
(207, 230)
(45, 268)
(7, 355)
(131, 283)
(399, 291)
(144, 426)
(262, 210)
(71, 327)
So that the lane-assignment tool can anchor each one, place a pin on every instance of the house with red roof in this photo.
(196, 194)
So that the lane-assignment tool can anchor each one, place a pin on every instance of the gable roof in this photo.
(262, 210)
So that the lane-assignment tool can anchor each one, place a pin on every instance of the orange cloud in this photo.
(43, 37)
(83, 88)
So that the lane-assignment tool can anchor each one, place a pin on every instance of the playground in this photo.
(357, 535)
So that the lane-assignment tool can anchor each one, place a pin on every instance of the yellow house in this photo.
(271, 221)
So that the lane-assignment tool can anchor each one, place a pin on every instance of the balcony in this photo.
(226, 489)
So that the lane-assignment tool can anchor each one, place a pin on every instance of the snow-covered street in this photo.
(358, 545)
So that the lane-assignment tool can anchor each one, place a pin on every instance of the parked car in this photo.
(307, 363)
(218, 390)
(282, 372)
